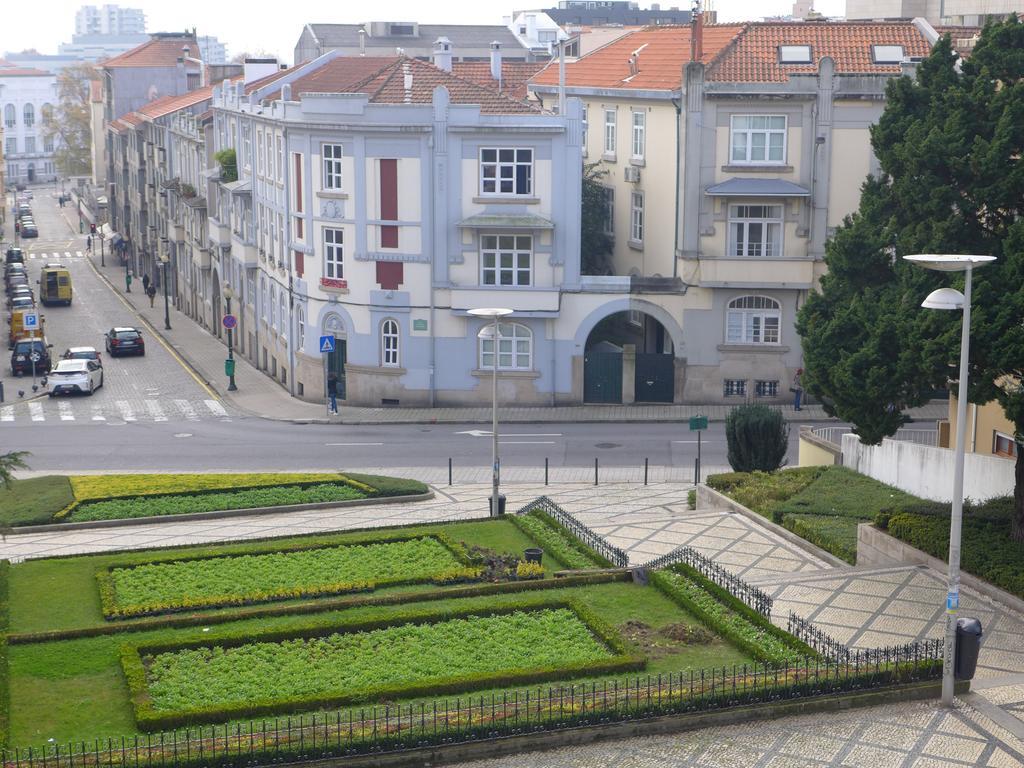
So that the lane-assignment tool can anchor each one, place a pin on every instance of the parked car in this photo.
(15, 279)
(22, 353)
(19, 290)
(29, 230)
(85, 376)
(14, 269)
(82, 353)
(21, 301)
(125, 341)
(14, 256)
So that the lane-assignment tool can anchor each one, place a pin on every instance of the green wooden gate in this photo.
(602, 377)
(655, 377)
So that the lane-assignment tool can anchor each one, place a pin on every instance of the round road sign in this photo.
(230, 321)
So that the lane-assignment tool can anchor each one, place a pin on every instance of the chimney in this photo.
(407, 80)
(697, 33)
(286, 92)
(443, 54)
(362, 41)
(496, 62)
(531, 27)
(254, 69)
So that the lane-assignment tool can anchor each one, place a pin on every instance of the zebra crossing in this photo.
(57, 256)
(116, 411)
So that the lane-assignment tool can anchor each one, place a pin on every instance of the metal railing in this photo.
(756, 598)
(595, 541)
(834, 435)
(839, 653)
(385, 729)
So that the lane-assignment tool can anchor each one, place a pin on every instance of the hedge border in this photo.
(561, 539)
(111, 611)
(5, 693)
(147, 718)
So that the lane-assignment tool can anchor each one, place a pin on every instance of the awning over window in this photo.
(757, 188)
(506, 221)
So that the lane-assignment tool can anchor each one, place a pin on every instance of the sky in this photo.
(244, 27)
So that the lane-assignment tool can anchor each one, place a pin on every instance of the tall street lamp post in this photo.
(492, 332)
(164, 259)
(948, 298)
(230, 364)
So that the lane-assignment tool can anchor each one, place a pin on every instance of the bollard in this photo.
(645, 469)
(696, 471)
(449, 471)
(545, 458)
(595, 470)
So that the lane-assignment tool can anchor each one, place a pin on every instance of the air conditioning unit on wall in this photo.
(632, 174)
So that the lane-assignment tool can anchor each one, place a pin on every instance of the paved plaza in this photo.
(863, 607)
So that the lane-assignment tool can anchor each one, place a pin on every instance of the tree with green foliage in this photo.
(228, 164)
(949, 144)
(10, 462)
(69, 125)
(757, 437)
(595, 243)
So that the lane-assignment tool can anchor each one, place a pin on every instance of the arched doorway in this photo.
(334, 362)
(31, 172)
(630, 356)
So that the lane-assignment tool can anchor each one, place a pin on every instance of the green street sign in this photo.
(419, 325)
(698, 423)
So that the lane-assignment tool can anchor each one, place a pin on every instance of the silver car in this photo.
(75, 376)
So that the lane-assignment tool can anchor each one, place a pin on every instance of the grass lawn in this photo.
(34, 501)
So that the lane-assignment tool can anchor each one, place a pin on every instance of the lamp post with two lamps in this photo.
(229, 323)
(949, 298)
(492, 332)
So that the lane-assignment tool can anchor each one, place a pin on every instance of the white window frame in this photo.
(273, 305)
(585, 127)
(263, 297)
(300, 325)
(734, 387)
(246, 145)
(766, 388)
(795, 54)
(887, 54)
(332, 172)
(748, 132)
(512, 356)
(390, 344)
(743, 222)
(611, 125)
(494, 248)
(753, 319)
(259, 153)
(609, 210)
(280, 159)
(636, 217)
(334, 253)
(638, 145)
(495, 170)
(282, 308)
(1001, 437)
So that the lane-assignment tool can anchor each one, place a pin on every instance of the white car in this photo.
(75, 376)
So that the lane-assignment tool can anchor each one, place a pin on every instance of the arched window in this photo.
(10, 116)
(30, 116)
(389, 344)
(515, 348)
(753, 320)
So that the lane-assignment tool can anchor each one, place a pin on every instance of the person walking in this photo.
(145, 282)
(332, 392)
(151, 292)
(797, 389)
(88, 242)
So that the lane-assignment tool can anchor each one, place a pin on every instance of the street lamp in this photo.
(229, 365)
(491, 332)
(948, 298)
(164, 259)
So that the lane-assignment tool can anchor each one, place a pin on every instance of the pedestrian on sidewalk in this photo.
(332, 391)
(797, 389)
(88, 242)
(145, 282)
(151, 292)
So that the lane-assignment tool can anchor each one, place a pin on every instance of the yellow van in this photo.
(17, 329)
(55, 285)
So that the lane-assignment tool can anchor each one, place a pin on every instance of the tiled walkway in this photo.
(861, 607)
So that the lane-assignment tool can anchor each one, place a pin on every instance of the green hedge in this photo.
(834, 534)
(557, 541)
(148, 718)
(729, 617)
(5, 697)
(389, 486)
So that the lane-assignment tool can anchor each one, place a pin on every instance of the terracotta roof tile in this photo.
(514, 75)
(663, 52)
(754, 56)
(158, 52)
(12, 71)
(165, 105)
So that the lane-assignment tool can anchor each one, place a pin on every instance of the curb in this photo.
(217, 515)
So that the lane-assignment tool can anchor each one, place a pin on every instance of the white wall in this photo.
(926, 471)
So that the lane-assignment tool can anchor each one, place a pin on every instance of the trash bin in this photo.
(968, 643)
(501, 504)
(533, 554)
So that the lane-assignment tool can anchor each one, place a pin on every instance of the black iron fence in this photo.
(595, 541)
(392, 728)
(756, 598)
(839, 653)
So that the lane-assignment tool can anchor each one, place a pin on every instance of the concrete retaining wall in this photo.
(926, 471)
(815, 452)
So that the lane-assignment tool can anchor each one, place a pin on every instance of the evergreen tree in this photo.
(757, 438)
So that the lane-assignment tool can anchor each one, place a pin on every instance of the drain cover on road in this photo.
(183, 434)
(608, 445)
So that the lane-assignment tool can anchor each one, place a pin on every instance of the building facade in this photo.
(99, 47)
(109, 20)
(213, 50)
(26, 96)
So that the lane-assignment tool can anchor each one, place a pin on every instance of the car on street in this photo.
(15, 279)
(21, 301)
(69, 376)
(19, 290)
(82, 353)
(29, 230)
(14, 256)
(125, 341)
(23, 353)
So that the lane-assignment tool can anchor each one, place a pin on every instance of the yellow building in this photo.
(988, 430)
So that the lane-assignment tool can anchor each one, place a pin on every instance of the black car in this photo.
(14, 256)
(29, 231)
(24, 351)
(125, 341)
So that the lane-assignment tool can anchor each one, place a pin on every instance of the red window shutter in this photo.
(300, 263)
(390, 274)
(389, 202)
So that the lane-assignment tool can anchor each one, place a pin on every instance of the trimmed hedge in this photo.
(5, 697)
(557, 541)
(93, 487)
(148, 718)
(729, 617)
(387, 486)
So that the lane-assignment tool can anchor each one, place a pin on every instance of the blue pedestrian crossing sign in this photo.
(326, 344)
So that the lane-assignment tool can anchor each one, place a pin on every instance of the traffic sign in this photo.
(698, 423)
(30, 321)
(326, 344)
(229, 321)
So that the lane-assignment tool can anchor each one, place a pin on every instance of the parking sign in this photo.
(30, 321)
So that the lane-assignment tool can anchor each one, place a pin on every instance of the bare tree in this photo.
(69, 124)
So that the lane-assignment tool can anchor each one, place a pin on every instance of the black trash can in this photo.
(968, 643)
(533, 554)
(501, 504)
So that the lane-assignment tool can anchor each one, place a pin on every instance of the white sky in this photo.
(246, 26)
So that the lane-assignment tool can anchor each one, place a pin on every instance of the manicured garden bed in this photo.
(823, 505)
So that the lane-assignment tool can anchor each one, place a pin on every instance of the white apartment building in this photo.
(26, 95)
(109, 20)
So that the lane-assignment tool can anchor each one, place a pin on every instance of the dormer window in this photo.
(887, 54)
(795, 54)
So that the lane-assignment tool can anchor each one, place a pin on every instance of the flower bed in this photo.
(187, 584)
(424, 653)
(555, 540)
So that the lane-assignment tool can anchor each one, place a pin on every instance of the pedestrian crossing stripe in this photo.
(7, 413)
(65, 411)
(57, 255)
(150, 410)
